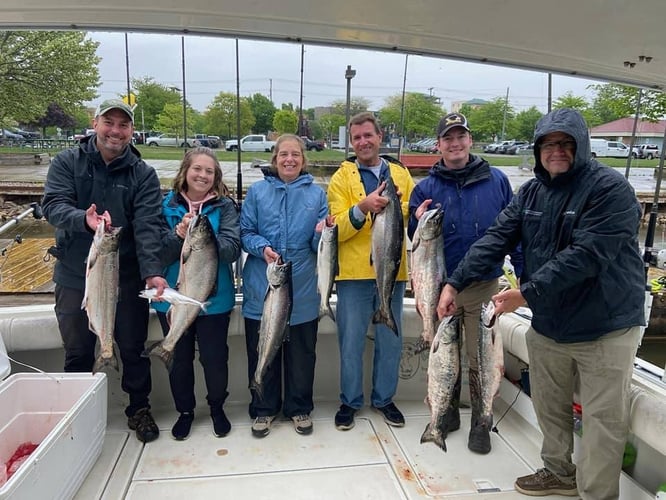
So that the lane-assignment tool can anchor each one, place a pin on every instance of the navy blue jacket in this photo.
(471, 198)
(583, 275)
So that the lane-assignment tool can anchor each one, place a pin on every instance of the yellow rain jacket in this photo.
(346, 190)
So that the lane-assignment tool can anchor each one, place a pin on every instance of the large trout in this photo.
(196, 279)
(101, 292)
(491, 362)
(428, 272)
(388, 235)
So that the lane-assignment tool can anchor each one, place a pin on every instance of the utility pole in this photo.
(300, 105)
(182, 52)
(270, 89)
(127, 70)
(402, 109)
(506, 105)
(349, 74)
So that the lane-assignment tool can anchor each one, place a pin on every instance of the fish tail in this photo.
(258, 389)
(381, 316)
(102, 362)
(326, 310)
(422, 344)
(429, 436)
(158, 350)
(204, 306)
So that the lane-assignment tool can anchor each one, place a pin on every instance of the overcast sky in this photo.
(273, 69)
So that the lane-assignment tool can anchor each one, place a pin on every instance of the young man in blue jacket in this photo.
(578, 222)
(472, 194)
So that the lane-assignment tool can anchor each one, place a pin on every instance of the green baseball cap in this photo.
(110, 104)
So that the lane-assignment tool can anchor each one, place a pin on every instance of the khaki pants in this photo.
(604, 369)
(468, 303)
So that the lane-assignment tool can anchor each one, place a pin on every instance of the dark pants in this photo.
(299, 356)
(210, 333)
(131, 331)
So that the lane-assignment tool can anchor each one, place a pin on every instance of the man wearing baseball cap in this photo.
(104, 179)
(472, 194)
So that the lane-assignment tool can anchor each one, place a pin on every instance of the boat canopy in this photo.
(618, 41)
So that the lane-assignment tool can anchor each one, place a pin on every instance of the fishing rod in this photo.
(34, 209)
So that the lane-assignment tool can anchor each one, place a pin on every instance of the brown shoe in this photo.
(543, 482)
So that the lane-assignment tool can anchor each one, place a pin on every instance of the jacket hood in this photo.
(476, 169)
(570, 122)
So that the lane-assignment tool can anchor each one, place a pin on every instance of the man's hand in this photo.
(374, 202)
(157, 282)
(93, 219)
(270, 255)
(508, 300)
(447, 302)
(422, 208)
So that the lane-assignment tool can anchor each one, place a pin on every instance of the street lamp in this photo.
(349, 74)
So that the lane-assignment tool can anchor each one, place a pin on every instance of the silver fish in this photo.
(388, 235)
(172, 296)
(101, 292)
(327, 268)
(443, 369)
(274, 319)
(196, 279)
(428, 272)
(491, 362)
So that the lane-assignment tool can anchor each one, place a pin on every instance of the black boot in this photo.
(479, 433)
(221, 424)
(181, 429)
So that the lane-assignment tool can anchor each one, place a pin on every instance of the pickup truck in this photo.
(253, 142)
(312, 145)
(209, 141)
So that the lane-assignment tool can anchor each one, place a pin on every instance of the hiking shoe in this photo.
(181, 429)
(143, 423)
(302, 424)
(479, 439)
(262, 426)
(344, 418)
(221, 424)
(392, 415)
(543, 482)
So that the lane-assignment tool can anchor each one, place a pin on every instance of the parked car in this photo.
(215, 141)
(648, 151)
(169, 140)
(515, 147)
(10, 136)
(491, 148)
(312, 145)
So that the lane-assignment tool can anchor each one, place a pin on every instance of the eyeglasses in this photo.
(549, 147)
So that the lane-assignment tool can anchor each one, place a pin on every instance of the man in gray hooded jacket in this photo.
(583, 279)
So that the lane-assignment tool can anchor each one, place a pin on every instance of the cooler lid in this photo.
(5, 368)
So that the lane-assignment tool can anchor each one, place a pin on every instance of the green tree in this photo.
(488, 121)
(285, 122)
(578, 103)
(171, 120)
(356, 105)
(421, 115)
(221, 116)
(614, 101)
(151, 97)
(525, 122)
(38, 68)
(55, 116)
(330, 124)
(263, 110)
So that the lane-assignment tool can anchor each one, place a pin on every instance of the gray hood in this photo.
(570, 122)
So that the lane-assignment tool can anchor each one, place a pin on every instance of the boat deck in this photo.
(370, 461)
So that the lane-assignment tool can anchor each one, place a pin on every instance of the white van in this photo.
(602, 147)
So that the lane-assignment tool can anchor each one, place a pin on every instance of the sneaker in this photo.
(262, 426)
(302, 424)
(143, 423)
(392, 415)
(344, 418)
(221, 424)
(181, 429)
(543, 482)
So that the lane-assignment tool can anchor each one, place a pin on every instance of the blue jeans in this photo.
(357, 302)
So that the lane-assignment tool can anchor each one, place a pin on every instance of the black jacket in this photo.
(127, 187)
(583, 275)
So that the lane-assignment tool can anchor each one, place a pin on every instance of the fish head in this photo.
(106, 237)
(278, 273)
(448, 331)
(430, 223)
(330, 233)
(199, 232)
(488, 314)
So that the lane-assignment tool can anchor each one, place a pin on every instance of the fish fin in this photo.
(157, 350)
(101, 363)
(387, 319)
(429, 436)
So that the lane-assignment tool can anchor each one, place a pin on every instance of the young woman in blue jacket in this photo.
(198, 189)
(282, 217)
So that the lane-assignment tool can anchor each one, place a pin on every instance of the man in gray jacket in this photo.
(105, 179)
(583, 278)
